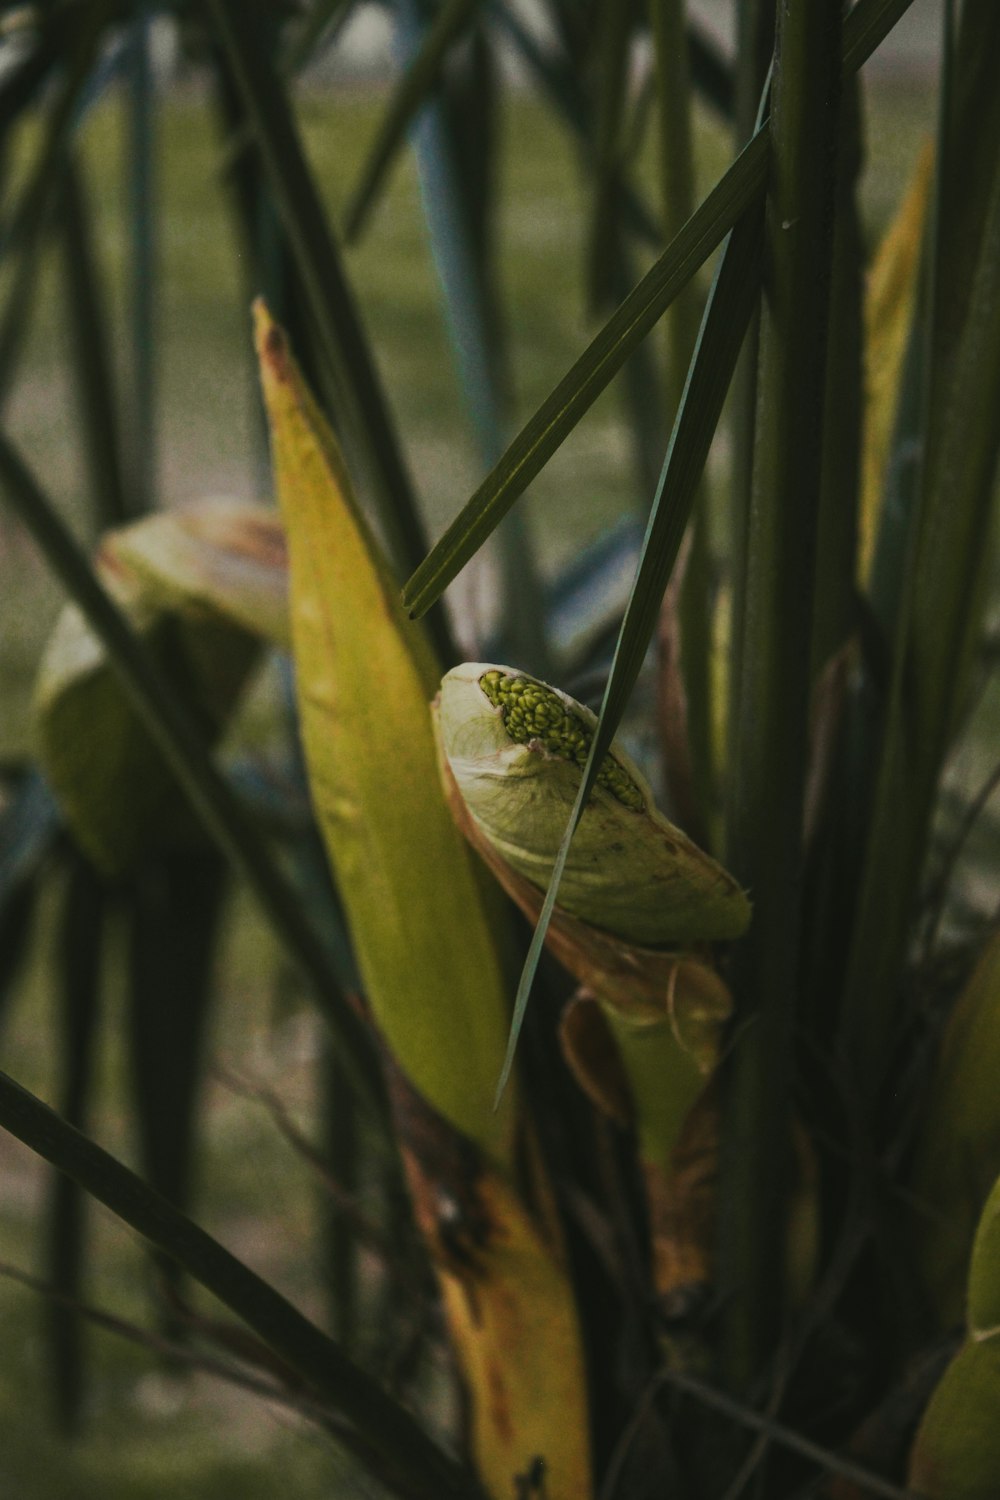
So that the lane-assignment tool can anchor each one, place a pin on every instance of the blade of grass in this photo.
(939, 616)
(80, 946)
(740, 187)
(711, 73)
(142, 273)
(730, 305)
(320, 27)
(419, 80)
(828, 908)
(81, 54)
(755, 48)
(416, 1465)
(174, 908)
(588, 377)
(22, 232)
(182, 745)
(676, 162)
(362, 406)
(561, 83)
(92, 362)
(463, 260)
(768, 776)
(613, 26)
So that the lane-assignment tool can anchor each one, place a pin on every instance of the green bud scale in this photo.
(516, 748)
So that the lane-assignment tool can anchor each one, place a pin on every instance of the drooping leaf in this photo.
(220, 558)
(102, 763)
(423, 935)
(175, 728)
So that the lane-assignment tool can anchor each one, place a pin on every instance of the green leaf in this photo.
(588, 377)
(515, 748)
(984, 1273)
(612, 26)
(768, 774)
(79, 947)
(377, 1426)
(93, 367)
(173, 908)
(362, 407)
(956, 1454)
(939, 617)
(727, 313)
(412, 90)
(104, 767)
(741, 186)
(958, 1151)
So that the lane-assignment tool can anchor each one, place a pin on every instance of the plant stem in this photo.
(755, 47)
(676, 160)
(769, 773)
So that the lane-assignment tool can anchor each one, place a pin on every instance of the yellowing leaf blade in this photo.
(365, 674)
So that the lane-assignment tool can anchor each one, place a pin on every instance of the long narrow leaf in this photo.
(768, 777)
(940, 615)
(80, 947)
(560, 81)
(93, 366)
(580, 387)
(730, 305)
(613, 23)
(453, 141)
(174, 911)
(741, 186)
(412, 91)
(142, 225)
(394, 1439)
(362, 405)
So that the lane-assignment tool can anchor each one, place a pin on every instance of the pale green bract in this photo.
(515, 747)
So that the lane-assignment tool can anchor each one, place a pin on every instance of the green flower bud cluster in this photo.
(532, 711)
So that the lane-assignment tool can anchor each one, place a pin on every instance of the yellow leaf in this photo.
(892, 290)
(512, 1321)
(365, 674)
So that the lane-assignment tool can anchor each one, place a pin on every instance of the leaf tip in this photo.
(270, 342)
